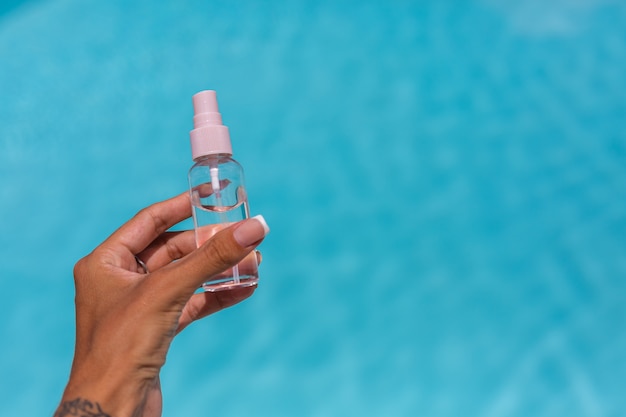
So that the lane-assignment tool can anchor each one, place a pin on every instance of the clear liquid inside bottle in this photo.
(219, 199)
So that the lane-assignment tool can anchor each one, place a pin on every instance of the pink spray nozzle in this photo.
(209, 135)
(205, 101)
(205, 109)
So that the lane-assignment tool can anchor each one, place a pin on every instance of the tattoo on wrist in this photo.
(80, 408)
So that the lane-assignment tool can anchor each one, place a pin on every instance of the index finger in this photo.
(150, 222)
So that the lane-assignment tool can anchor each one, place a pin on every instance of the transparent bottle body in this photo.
(218, 199)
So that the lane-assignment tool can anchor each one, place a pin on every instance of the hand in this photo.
(126, 318)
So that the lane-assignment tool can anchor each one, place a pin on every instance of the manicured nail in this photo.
(251, 231)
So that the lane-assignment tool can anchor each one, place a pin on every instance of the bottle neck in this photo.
(213, 156)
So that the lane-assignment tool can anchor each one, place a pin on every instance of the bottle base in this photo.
(231, 284)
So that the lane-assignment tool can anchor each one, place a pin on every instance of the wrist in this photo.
(106, 394)
(80, 407)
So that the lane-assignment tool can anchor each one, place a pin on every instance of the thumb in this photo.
(222, 251)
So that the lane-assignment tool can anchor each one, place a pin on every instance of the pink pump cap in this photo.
(209, 135)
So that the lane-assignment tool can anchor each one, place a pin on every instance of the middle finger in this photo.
(167, 248)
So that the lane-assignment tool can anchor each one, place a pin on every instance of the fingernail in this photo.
(251, 231)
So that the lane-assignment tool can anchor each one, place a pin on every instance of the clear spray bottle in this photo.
(216, 185)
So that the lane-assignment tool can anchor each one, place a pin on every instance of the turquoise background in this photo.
(445, 182)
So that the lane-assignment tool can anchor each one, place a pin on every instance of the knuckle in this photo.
(82, 273)
(152, 213)
(173, 251)
(79, 268)
(84, 268)
(220, 254)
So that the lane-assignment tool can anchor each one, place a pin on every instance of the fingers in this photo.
(224, 250)
(172, 246)
(206, 189)
(168, 247)
(149, 223)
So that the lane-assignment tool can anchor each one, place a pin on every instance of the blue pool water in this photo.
(445, 182)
